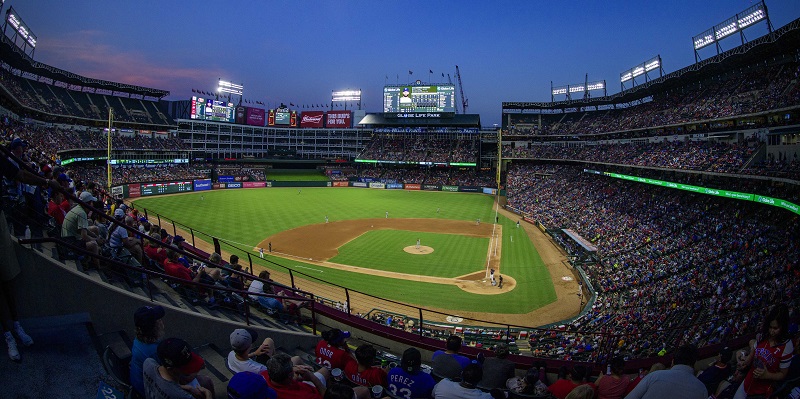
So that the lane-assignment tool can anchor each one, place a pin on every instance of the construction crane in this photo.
(464, 100)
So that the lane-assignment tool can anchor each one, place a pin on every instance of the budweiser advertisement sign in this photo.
(339, 119)
(312, 119)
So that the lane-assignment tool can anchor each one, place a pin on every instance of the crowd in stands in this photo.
(671, 261)
(420, 148)
(691, 155)
(55, 100)
(740, 92)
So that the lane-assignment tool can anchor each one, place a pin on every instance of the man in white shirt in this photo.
(240, 357)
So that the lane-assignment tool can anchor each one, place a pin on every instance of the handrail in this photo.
(151, 273)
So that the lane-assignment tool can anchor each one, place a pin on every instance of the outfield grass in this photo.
(245, 217)
(454, 255)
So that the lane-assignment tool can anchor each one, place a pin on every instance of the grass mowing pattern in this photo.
(248, 216)
(454, 255)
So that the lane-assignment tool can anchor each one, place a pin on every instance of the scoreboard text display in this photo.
(208, 109)
(411, 98)
(166, 188)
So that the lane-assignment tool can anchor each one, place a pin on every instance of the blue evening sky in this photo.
(298, 52)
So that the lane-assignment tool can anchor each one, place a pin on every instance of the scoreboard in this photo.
(208, 109)
(419, 98)
(166, 188)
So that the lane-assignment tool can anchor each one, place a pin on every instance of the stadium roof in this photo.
(771, 44)
(458, 120)
(16, 58)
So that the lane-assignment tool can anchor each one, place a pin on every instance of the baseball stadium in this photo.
(589, 236)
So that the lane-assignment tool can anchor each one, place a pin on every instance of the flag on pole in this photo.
(430, 70)
(410, 72)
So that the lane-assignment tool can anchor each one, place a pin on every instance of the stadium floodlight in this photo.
(228, 87)
(726, 28)
(704, 39)
(577, 89)
(737, 23)
(626, 76)
(560, 90)
(21, 29)
(652, 64)
(751, 18)
(641, 69)
(599, 85)
(346, 95)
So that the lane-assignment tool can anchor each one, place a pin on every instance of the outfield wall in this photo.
(136, 190)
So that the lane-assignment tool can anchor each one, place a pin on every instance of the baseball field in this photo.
(366, 240)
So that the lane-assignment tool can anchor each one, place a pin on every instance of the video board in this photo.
(208, 109)
(419, 98)
(282, 117)
(166, 188)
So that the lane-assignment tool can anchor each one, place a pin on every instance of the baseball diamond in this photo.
(364, 251)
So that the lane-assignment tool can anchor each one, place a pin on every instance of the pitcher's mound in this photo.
(422, 250)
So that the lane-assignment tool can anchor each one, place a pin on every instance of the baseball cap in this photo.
(63, 177)
(242, 339)
(87, 197)
(338, 336)
(146, 316)
(119, 213)
(18, 142)
(249, 385)
(176, 354)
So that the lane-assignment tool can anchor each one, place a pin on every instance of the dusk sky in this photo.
(298, 52)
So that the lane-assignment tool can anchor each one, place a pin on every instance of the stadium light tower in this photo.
(21, 31)
(230, 88)
(345, 96)
(737, 23)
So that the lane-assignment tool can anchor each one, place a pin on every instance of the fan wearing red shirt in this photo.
(289, 381)
(771, 355)
(562, 387)
(332, 351)
(361, 372)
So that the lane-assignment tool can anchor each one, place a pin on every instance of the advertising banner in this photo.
(233, 185)
(487, 190)
(469, 189)
(792, 207)
(341, 184)
(226, 179)
(377, 185)
(218, 186)
(359, 184)
(434, 187)
(241, 114)
(134, 190)
(312, 119)
(450, 188)
(256, 116)
(254, 184)
(413, 186)
(202, 185)
(394, 186)
(339, 119)
(118, 191)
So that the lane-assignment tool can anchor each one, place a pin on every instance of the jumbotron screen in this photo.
(419, 98)
(208, 109)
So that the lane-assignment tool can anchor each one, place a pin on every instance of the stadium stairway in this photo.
(48, 288)
(62, 362)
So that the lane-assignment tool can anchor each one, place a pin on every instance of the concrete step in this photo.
(216, 368)
(64, 351)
